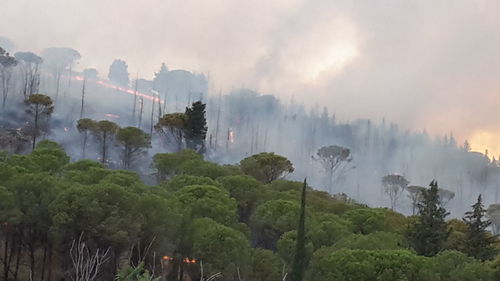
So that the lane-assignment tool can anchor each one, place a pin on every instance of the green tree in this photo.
(208, 201)
(203, 168)
(246, 190)
(177, 182)
(85, 126)
(39, 106)
(169, 164)
(196, 126)
(479, 243)
(366, 220)
(300, 258)
(379, 240)
(134, 141)
(221, 248)
(266, 166)
(428, 234)
(360, 265)
(105, 131)
(49, 156)
(271, 219)
(172, 126)
(106, 214)
(266, 265)
(328, 229)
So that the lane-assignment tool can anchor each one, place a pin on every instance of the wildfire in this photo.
(231, 136)
(110, 115)
(185, 260)
(123, 90)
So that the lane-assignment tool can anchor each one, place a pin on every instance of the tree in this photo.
(493, 213)
(479, 243)
(133, 141)
(104, 131)
(299, 260)
(266, 166)
(394, 186)
(90, 73)
(161, 79)
(87, 264)
(85, 126)
(59, 60)
(220, 248)
(428, 234)
(246, 190)
(334, 160)
(271, 219)
(30, 64)
(169, 164)
(208, 201)
(445, 196)
(39, 106)
(196, 126)
(266, 265)
(7, 62)
(358, 265)
(118, 73)
(172, 126)
(415, 195)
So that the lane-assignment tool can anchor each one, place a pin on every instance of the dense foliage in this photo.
(211, 220)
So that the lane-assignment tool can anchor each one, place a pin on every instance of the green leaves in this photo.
(266, 166)
(428, 234)
(208, 201)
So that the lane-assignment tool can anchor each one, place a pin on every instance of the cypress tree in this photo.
(429, 232)
(196, 126)
(299, 260)
(479, 243)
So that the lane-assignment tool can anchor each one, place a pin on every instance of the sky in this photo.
(432, 65)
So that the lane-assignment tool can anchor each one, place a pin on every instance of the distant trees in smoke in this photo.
(59, 60)
(235, 126)
(7, 63)
(30, 67)
(118, 73)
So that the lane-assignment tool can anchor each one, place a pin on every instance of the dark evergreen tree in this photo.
(196, 126)
(429, 232)
(299, 260)
(479, 243)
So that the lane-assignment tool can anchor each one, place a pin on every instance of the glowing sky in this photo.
(422, 64)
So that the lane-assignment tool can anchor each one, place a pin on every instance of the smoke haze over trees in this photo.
(249, 140)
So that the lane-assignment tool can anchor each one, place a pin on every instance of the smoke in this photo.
(429, 65)
(426, 64)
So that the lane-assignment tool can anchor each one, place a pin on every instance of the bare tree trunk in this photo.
(103, 160)
(5, 257)
(83, 97)
(32, 259)
(140, 112)
(85, 136)
(86, 264)
(35, 131)
(135, 97)
(18, 259)
(152, 116)
(44, 261)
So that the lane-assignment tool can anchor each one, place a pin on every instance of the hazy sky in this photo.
(423, 64)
